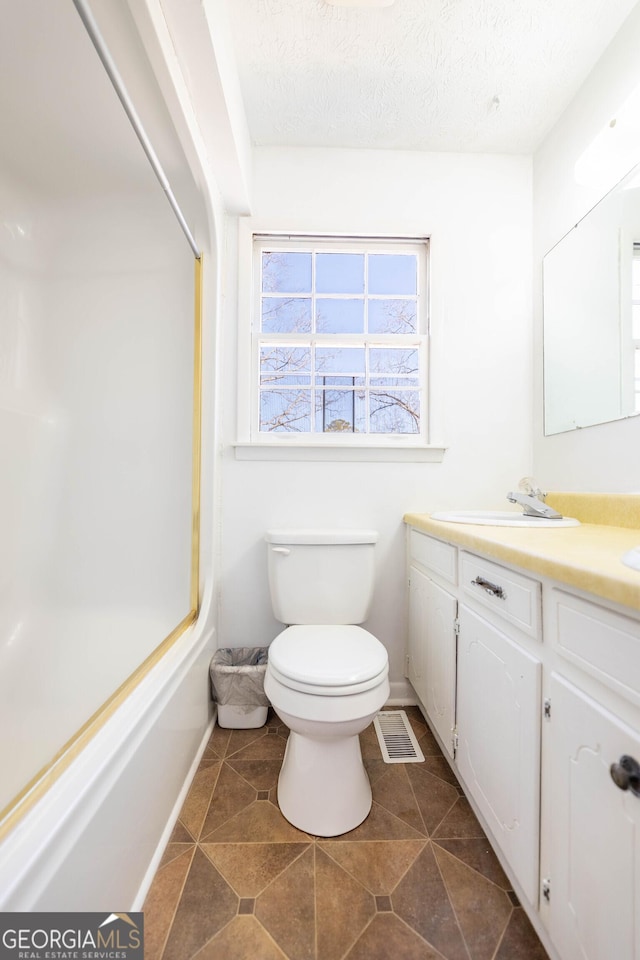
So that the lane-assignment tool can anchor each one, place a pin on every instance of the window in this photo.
(339, 340)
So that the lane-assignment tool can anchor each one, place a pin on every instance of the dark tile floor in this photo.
(416, 881)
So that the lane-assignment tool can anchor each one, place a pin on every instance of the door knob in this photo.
(626, 774)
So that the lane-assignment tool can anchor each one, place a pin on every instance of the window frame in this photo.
(320, 447)
(309, 445)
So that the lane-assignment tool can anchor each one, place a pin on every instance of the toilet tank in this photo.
(321, 576)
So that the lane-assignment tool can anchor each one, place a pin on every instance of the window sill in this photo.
(323, 451)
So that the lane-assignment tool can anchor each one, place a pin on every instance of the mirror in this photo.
(591, 293)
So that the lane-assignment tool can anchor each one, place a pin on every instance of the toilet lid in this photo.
(328, 655)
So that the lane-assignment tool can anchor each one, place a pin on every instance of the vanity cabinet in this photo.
(498, 724)
(540, 684)
(431, 662)
(480, 690)
(591, 899)
(591, 828)
(431, 655)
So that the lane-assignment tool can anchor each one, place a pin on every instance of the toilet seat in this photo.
(328, 660)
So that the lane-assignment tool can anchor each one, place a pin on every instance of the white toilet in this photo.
(326, 677)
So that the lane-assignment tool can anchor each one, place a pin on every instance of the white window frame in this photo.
(253, 444)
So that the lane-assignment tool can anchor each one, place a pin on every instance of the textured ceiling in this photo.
(453, 75)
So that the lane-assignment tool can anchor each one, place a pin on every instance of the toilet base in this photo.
(323, 787)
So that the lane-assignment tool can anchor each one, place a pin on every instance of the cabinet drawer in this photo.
(434, 555)
(605, 644)
(513, 597)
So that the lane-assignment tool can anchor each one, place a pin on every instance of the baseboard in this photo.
(401, 694)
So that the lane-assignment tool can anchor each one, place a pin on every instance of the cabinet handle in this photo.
(626, 774)
(489, 587)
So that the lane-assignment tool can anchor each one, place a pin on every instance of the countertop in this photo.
(587, 557)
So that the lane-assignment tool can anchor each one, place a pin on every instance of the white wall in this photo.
(605, 457)
(477, 210)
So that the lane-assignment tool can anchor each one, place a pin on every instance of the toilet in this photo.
(326, 676)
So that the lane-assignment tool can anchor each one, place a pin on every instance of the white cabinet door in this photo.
(593, 862)
(418, 584)
(498, 724)
(432, 652)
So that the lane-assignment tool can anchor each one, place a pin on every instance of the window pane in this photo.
(340, 411)
(392, 316)
(340, 273)
(388, 382)
(393, 273)
(394, 411)
(635, 321)
(285, 359)
(389, 361)
(286, 272)
(283, 380)
(340, 360)
(339, 316)
(285, 410)
(346, 380)
(286, 314)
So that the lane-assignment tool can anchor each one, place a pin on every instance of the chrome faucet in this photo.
(531, 499)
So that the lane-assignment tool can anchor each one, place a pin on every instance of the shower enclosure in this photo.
(99, 398)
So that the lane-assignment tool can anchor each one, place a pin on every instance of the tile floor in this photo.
(416, 881)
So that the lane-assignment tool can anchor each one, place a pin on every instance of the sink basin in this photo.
(632, 558)
(501, 518)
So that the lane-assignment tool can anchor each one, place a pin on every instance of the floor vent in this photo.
(396, 738)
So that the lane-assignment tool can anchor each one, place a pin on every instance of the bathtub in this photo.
(100, 381)
(92, 835)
